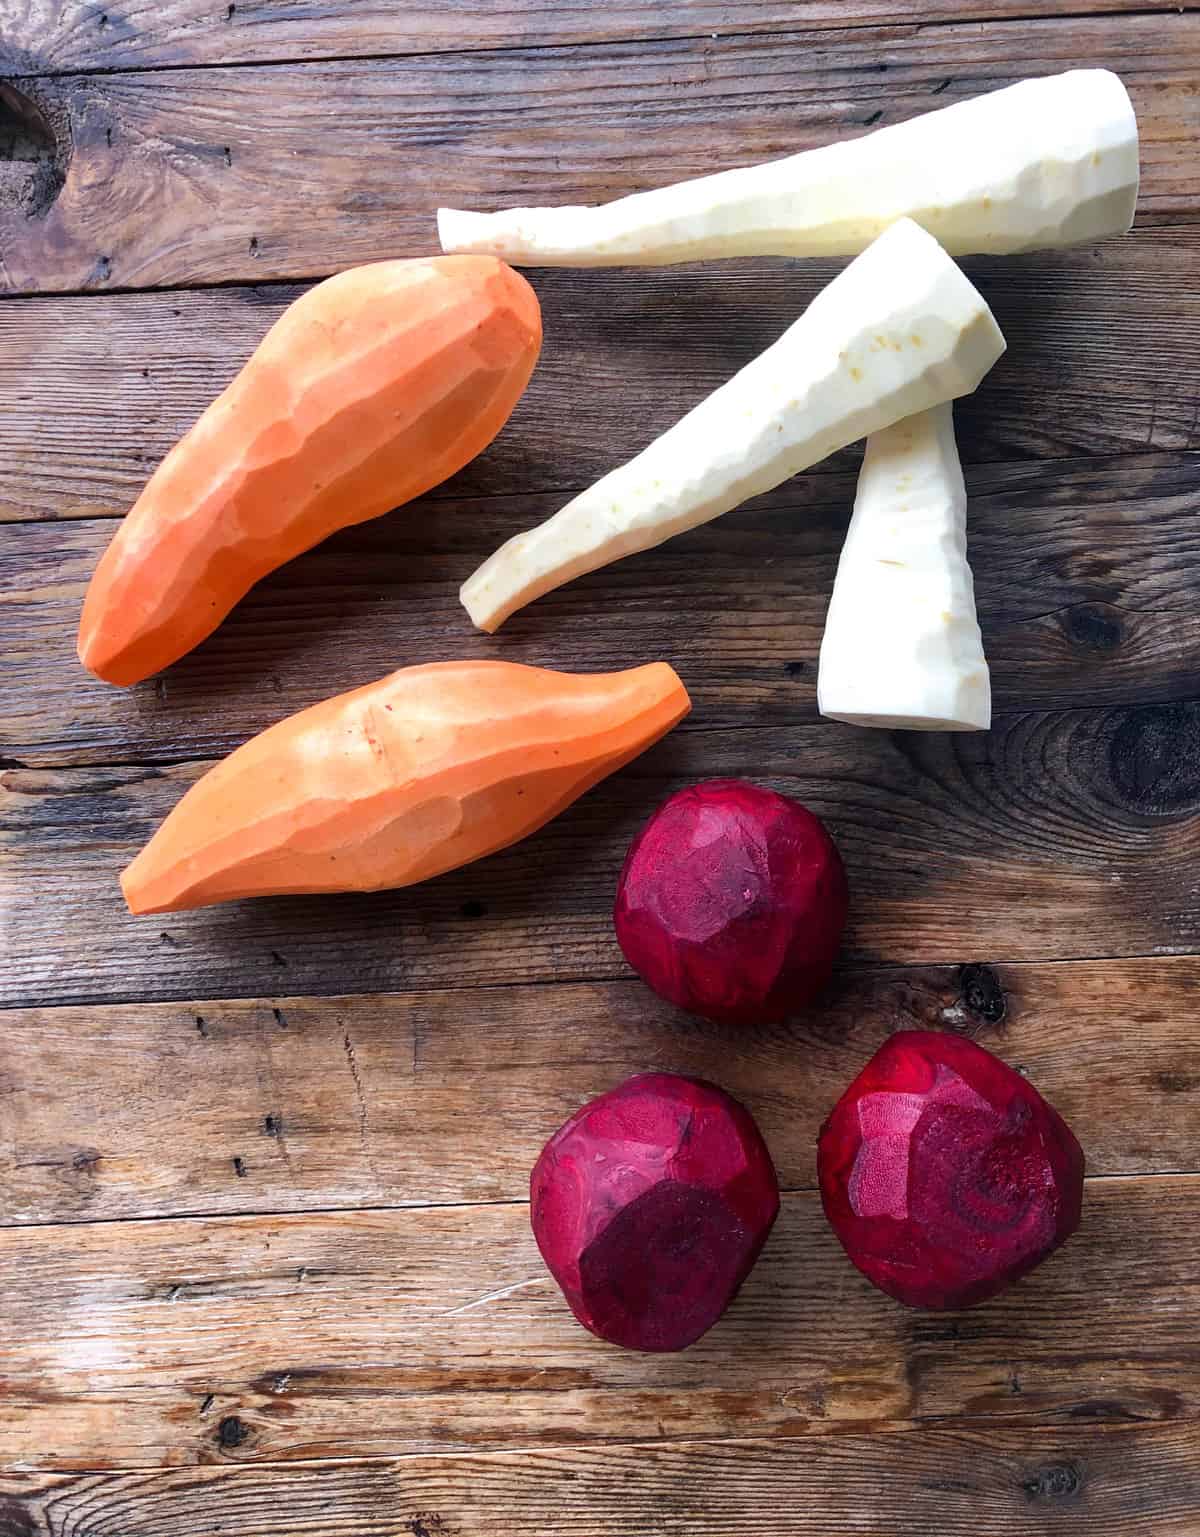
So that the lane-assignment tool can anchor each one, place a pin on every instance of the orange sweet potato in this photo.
(423, 771)
(374, 386)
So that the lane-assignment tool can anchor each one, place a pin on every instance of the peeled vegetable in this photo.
(1048, 162)
(902, 646)
(901, 329)
(373, 387)
(732, 903)
(419, 773)
(650, 1206)
(944, 1174)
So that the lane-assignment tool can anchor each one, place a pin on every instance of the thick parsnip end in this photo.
(1042, 163)
(902, 648)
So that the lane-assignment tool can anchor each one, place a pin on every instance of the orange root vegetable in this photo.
(419, 773)
(371, 388)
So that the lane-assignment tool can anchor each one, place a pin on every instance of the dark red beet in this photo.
(945, 1175)
(732, 903)
(650, 1206)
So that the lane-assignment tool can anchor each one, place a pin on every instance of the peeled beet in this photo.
(946, 1176)
(732, 903)
(650, 1206)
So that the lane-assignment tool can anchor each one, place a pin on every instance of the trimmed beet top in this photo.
(945, 1175)
(732, 903)
(650, 1206)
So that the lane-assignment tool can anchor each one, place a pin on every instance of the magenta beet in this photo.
(945, 1175)
(732, 903)
(650, 1206)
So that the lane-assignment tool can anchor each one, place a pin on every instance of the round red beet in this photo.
(650, 1206)
(946, 1176)
(732, 903)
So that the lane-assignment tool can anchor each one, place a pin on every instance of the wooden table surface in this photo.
(265, 1261)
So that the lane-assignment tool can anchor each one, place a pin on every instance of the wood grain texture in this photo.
(1103, 351)
(50, 35)
(293, 1104)
(197, 176)
(1083, 580)
(1057, 835)
(382, 1332)
(1069, 1481)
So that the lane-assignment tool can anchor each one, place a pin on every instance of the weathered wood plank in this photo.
(1084, 575)
(1057, 835)
(219, 174)
(1104, 345)
(294, 1104)
(49, 35)
(377, 1333)
(1101, 1481)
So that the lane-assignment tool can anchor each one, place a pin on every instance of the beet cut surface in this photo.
(732, 903)
(944, 1174)
(650, 1206)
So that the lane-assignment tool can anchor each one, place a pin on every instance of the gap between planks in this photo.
(734, 34)
(222, 1472)
(310, 1213)
(1175, 221)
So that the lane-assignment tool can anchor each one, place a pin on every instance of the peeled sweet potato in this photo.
(371, 388)
(423, 771)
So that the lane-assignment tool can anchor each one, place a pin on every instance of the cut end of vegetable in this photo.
(899, 330)
(1045, 162)
(426, 770)
(902, 648)
(472, 234)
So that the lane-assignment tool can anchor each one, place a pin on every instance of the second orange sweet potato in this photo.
(423, 771)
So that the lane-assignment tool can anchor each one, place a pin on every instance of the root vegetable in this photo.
(902, 646)
(946, 1175)
(371, 388)
(900, 330)
(732, 903)
(424, 771)
(1049, 162)
(650, 1207)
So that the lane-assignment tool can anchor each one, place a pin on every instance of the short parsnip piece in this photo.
(900, 330)
(1048, 162)
(902, 648)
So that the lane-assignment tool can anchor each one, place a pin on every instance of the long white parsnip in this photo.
(902, 646)
(1049, 162)
(899, 330)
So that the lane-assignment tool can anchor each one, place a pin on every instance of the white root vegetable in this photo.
(1049, 162)
(899, 330)
(902, 646)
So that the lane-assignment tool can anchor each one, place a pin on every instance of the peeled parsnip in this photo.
(1050, 162)
(902, 647)
(899, 330)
